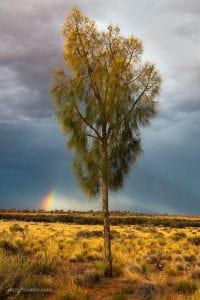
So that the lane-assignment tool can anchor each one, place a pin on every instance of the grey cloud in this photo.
(32, 151)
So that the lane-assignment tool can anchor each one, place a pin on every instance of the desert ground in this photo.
(41, 260)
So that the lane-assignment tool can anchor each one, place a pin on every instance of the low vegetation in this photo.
(95, 218)
(65, 261)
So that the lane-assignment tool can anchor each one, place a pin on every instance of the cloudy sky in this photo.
(33, 157)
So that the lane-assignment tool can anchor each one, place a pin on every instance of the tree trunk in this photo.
(107, 237)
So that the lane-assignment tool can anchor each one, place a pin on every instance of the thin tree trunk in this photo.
(107, 237)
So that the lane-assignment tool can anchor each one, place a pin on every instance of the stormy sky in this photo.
(33, 156)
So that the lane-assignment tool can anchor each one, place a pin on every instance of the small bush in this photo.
(96, 233)
(100, 266)
(190, 258)
(133, 274)
(178, 236)
(115, 234)
(89, 234)
(134, 268)
(195, 240)
(8, 247)
(147, 290)
(186, 287)
(88, 278)
(16, 228)
(14, 272)
(43, 265)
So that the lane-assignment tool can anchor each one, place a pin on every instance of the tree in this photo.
(103, 98)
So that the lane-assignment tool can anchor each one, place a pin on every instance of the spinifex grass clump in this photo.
(8, 247)
(186, 287)
(88, 278)
(195, 240)
(14, 273)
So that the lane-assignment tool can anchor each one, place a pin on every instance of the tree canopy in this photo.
(105, 95)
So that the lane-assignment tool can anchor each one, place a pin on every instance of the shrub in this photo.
(178, 236)
(147, 290)
(88, 278)
(8, 247)
(36, 283)
(190, 258)
(100, 266)
(186, 287)
(44, 265)
(16, 228)
(96, 233)
(115, 234)
(195, 240)
(133, 273)
(134, 268)
(89, 234)
(14, 272)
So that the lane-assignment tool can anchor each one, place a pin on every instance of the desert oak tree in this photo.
(102, 99)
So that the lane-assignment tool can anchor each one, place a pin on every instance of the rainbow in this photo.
(48, 200)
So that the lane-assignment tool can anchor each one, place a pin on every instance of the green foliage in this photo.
(100, 266)
(102, 103)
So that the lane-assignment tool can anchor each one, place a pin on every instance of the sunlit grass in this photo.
(56, 253)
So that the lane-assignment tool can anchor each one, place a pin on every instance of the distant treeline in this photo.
(94, 218)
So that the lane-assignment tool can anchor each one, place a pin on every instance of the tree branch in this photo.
(97, 94)
(84, 119)
(130, 110)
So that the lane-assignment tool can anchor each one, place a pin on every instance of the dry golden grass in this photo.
(148, 262)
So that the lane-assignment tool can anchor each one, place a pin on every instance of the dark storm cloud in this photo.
(31, 47)
(32, 150)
